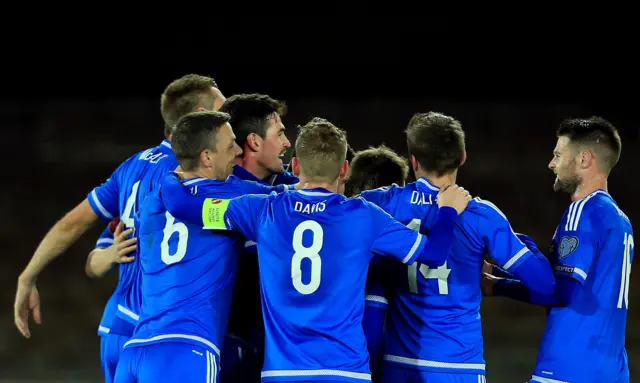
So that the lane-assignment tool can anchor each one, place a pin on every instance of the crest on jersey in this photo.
(567, 246)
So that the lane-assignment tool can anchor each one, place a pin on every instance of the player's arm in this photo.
(112, 247)
(398, 241)
(511, 254)
(102, 202)
(242, 214)
(184, 205)
(375, 311)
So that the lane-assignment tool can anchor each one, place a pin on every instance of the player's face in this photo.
(274, 145)
(226, 151)
(565, 166)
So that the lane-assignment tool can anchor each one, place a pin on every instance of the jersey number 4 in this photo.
(626, 271)
(311, 253)
(441, 273)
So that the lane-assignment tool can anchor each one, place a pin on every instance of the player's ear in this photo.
(295, 166)
(205, 158)
(254, 141)
(586, 157)
(201, 109)
(414, 163)
(464, 158)
(344, 169)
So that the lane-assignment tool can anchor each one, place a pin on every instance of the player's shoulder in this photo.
(483, 208)
(598, 209)
(387, 191)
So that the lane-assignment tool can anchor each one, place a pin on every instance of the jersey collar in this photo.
(165, 146)
(316, 192)
(245, 175)
(429, 185)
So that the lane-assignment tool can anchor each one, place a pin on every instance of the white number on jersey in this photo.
(441, 273)
(626, 271)
(183, 236)
(127, 217)
(311, 253)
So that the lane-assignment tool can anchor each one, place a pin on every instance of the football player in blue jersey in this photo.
(371, 169)
(434, 329)
(187, 273)
(257, 123)
(314, 248)
(592, 252)
(119, 196)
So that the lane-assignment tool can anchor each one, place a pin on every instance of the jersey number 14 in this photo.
(441, 274)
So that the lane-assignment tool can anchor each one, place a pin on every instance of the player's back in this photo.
(314, 249)
(434, 319)
(187, 273)
(121, 196)
(585, 341)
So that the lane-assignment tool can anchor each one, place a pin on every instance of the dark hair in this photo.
(249, 114)
(596, 134)
(183, 96)
(436, 141)
(194, 133)
(321, 148)
(376, 167)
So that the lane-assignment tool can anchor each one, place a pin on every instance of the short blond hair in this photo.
(321, 149)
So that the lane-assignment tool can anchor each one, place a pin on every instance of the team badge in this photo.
(567, 246)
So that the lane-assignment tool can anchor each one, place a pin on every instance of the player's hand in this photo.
(487, 268)
(488, 281)
(122, 246)
(454, 196)
(27, 300)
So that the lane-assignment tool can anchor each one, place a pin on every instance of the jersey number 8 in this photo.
(312, 253)
(441, 273)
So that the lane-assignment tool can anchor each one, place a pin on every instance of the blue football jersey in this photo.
(314, 249)
(120, 196)
(585, 341)
(187, 272)
(434, 320)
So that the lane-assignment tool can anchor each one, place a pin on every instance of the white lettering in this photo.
(153, 158)
(418, 198)
(309, 208)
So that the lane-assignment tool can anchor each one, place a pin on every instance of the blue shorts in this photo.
(167, 363)
(110, 350)
(239, 362)
(393, 374)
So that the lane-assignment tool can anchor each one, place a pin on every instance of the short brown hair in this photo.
(184, 96)
(596, 134)
(376, 167)
(436, 141)
(321, 148)
(250, 112)
(194, 133)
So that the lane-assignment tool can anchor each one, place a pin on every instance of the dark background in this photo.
(67, 125)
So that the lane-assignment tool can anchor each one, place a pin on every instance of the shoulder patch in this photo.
(567, 246)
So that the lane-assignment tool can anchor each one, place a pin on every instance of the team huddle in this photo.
(234, 267)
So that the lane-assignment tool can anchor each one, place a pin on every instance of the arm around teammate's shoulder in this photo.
(391, 238)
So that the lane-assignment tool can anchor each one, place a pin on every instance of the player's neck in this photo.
(250, 164)
(200, 173)
(589, 185)
(312, 184)
(437, 181)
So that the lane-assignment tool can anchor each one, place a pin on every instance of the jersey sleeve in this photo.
(242, 214)
(375, 293)
(393, 239)
(251, 187)
(104, 199)
(105, 239)
(502, 244)
(381, 196)
(576, 248)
